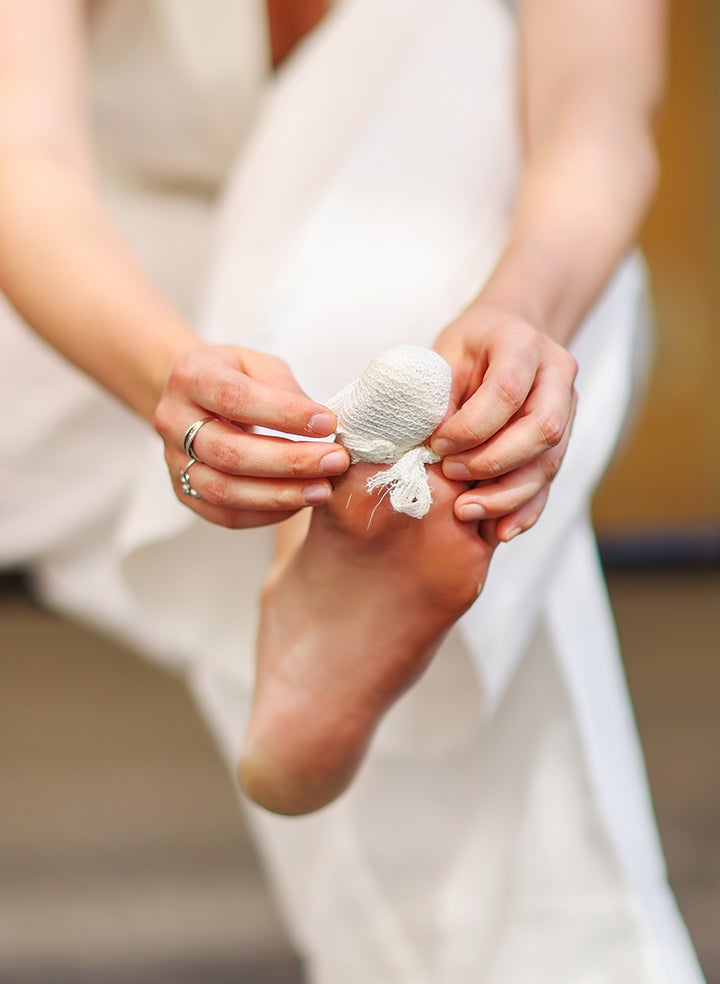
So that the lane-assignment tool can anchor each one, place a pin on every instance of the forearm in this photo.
(592, 80)
(71, 276)
(589, 178)
(592, 77)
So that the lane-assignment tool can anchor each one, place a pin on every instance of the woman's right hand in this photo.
(246, 479)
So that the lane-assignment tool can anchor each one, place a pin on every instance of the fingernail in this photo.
(456, 470)
(334, 463)
(507, 537)
(442, 446)
(472, 511)
(316, 493)
(322, 424)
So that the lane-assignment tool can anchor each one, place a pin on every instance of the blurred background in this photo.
(662, 496)
(123, 857)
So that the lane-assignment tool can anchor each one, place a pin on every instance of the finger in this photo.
(523, 518)
(229, 492)
(502, 393)
(233, 452)
(544, 424)
(216, 387)
(235, 519)
(497, 499)
(270, 369)
(508, 494)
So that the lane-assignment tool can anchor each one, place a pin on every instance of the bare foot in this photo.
(349, 621)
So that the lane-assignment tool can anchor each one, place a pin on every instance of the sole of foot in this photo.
(349, 620)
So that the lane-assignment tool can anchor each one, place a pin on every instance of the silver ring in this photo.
(185, 481)
(190, 435)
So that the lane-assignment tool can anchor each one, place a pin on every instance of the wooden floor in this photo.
(669, 625)
(122, 855)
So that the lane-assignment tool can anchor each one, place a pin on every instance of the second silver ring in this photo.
(185, 484)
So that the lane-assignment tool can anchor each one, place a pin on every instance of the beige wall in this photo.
(669, 474)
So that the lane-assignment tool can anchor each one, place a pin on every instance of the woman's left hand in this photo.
(514, 401)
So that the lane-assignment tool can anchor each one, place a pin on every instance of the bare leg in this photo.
(350, 619)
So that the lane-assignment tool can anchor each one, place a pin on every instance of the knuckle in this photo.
(280, 498)
(185, 371)
(552, 428)
(298, 465)
(180, 372)
(523, 330)
(492, 466)
(467, 435)
(571, 363)
(291, 410)
(513, 499)
(550, 465)
(225, 456)
(161, 419)
(293, 467)
(232, 395)
(511, 390)
(215, 492)
(498, 504)
(288, 497)
(526, 341)
(233, 519)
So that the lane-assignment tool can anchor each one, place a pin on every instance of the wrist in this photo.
(154, 364)
(525, 284)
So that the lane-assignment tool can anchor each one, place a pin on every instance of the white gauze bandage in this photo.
(386, 414)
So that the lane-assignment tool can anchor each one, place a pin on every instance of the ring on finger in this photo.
(190, 435)
(185, 483)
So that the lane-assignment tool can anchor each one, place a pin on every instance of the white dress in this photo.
(501, 830)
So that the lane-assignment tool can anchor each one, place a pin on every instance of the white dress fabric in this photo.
(501, 830)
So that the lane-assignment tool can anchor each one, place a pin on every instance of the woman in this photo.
(500, 829)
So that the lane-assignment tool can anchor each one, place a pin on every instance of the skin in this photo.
(316, 703)
(592, 78)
